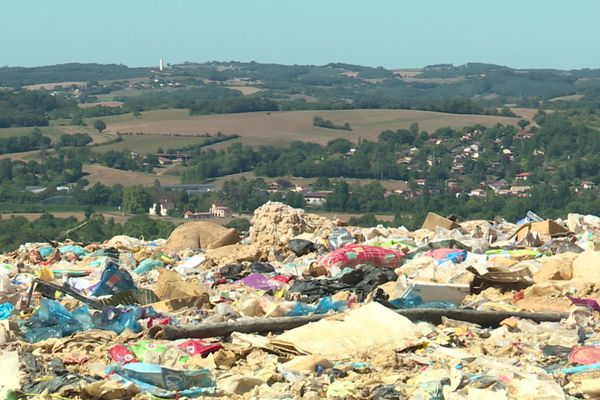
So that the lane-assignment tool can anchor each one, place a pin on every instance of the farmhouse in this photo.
(587, 185)
(316, 199)
(215, 211)
(523, 176)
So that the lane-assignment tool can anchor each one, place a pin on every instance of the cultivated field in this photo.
(280, 128)
(149, 143)
(110, 176)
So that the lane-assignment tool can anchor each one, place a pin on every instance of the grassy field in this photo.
(149, 143)
(280, 128)
(110, 176)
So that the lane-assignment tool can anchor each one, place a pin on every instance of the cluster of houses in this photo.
(165, 205)
(312, 198)
(470, 149)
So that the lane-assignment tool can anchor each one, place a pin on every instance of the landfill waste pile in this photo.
(303, 306)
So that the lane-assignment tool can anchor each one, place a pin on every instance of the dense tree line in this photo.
(235, 105)
(21, 76)
(48, 171)
(75, 140)
(32, 141)
(325, 123)
(196, 149)
(31, 108)
(188, 98)
(15, 231)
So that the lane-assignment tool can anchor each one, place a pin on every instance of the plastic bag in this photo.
(6, 310)
(147, 265)
(339, 238)
(417, 302)
(261, 282)
(263, 268)
(80, 251)
(443, 255)
(301, 247)
(166, 382)
(354, 254)
(117, 319)
(325, 305)
(113, 280)
(53, 320)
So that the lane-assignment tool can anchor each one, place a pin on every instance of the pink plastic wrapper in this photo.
(585, 355)
(282, 278)
(354, 254)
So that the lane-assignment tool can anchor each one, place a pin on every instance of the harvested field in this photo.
(527, 113)
(261, 128)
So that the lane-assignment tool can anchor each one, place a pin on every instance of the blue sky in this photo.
(390, 33)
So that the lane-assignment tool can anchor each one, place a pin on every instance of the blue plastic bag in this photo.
(117, 319)
(53, 320)
(80, 251)
(113, 280)
(45, 251)
(413, 301)
(6, 310)
(325, 305)
(147, 265)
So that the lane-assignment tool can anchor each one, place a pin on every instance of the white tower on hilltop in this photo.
(160, 65)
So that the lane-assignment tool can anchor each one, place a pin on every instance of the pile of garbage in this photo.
(307, 307)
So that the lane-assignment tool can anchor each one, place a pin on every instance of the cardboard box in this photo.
(547, 227)
(432, 291)
(433, 220)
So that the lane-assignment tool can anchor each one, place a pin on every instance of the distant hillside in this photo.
(239, 87)
(21, 76)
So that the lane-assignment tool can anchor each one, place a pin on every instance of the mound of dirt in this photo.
(200, 235)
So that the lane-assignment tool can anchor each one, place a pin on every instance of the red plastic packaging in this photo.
(122, 354)
(197, 346)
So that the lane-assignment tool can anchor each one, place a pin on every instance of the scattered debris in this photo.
(306, 308)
